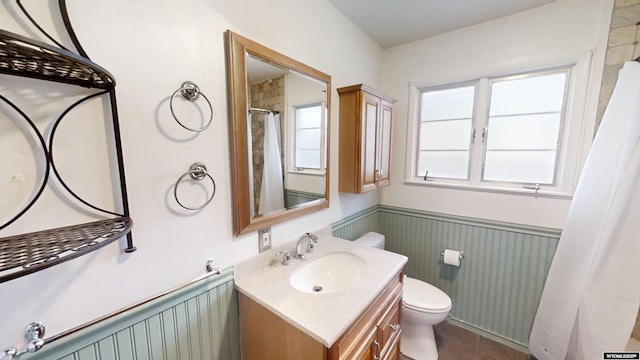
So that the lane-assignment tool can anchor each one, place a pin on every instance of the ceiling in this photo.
(395, 22)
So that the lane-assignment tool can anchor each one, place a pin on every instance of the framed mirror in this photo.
(279, 124)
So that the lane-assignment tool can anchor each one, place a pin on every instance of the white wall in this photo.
(548, 36)
(151, 47)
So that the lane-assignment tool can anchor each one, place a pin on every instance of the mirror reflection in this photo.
(278, 122)
(287, 125)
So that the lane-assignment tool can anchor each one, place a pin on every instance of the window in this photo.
(523, 129)
(504, 132)
(445, 132)
(310, 137)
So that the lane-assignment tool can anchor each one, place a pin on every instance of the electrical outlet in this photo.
(264, 239)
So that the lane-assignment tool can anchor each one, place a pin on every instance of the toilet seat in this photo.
(421, 296)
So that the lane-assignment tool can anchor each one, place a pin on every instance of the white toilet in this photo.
(423, 306)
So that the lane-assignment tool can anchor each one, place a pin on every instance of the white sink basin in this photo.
(333, 272)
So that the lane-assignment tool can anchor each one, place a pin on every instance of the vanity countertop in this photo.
(324, 317)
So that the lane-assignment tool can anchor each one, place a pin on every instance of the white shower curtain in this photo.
(592, 293)
(272, 190)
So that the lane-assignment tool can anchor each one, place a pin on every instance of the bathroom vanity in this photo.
(360, 320)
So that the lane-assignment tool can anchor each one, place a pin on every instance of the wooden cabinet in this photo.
(375, 335)
(365, 139)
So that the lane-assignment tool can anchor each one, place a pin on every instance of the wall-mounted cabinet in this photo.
(365, 139)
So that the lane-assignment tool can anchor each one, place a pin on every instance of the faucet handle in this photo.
(313, 238)
(286, 259)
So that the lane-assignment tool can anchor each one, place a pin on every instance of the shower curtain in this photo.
(592, 293)
(272, 190)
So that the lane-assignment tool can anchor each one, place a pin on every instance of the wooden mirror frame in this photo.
(237, 48)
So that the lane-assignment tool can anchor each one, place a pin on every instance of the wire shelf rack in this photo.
(30, 58)
(27, 253)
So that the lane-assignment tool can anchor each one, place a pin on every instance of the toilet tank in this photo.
(371, 239)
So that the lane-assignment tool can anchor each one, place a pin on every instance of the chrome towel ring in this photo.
(197, 171)
(191, 92)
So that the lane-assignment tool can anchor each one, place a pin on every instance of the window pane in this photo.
(308, 117)
(445, 132)
(309, 133)
(535, 167)
(308, 158)
(444, 164)
(524, 129)
(308, 139)
(453, 103)
(445, 135)
(544, 93)
(524, 132)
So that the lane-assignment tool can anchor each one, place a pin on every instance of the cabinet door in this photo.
(384, 144)
(369, 147)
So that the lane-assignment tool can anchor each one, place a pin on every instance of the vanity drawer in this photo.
(388, 327)
(393, 351)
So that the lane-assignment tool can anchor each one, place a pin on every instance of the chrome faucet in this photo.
(299, 252)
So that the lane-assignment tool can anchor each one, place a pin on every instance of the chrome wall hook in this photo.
(212, 269)
(33, 335)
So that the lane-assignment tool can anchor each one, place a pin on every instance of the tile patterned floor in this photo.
(456, 343)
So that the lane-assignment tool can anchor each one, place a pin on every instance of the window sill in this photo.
(309, 173)
(492, 189)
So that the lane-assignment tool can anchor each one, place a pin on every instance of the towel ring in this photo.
(191, 92)
(197, 171)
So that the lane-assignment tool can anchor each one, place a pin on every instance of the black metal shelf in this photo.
(25, 57)
(27, 253)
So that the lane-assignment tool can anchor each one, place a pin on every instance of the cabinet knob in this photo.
(394, 327)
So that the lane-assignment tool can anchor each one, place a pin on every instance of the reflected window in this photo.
(310, 137)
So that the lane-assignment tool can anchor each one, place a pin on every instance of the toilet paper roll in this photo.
(452, 257)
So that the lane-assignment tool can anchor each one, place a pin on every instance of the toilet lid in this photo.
(420, 295)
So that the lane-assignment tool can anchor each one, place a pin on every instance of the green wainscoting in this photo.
(199, 321)
(354, 226)
(295, 197)
(497, 288)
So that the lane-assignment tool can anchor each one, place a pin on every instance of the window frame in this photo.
(457, 85)
(573, 143)
(291, 161)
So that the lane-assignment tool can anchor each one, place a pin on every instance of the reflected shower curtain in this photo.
(592, 293)
(272, 190)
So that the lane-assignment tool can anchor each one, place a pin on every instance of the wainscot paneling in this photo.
(295, 197)
(354, 226)
(497, 288)
(199, 321)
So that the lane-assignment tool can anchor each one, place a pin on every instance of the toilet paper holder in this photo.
(459, 257)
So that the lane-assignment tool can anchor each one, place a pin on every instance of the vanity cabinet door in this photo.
(365, 139)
